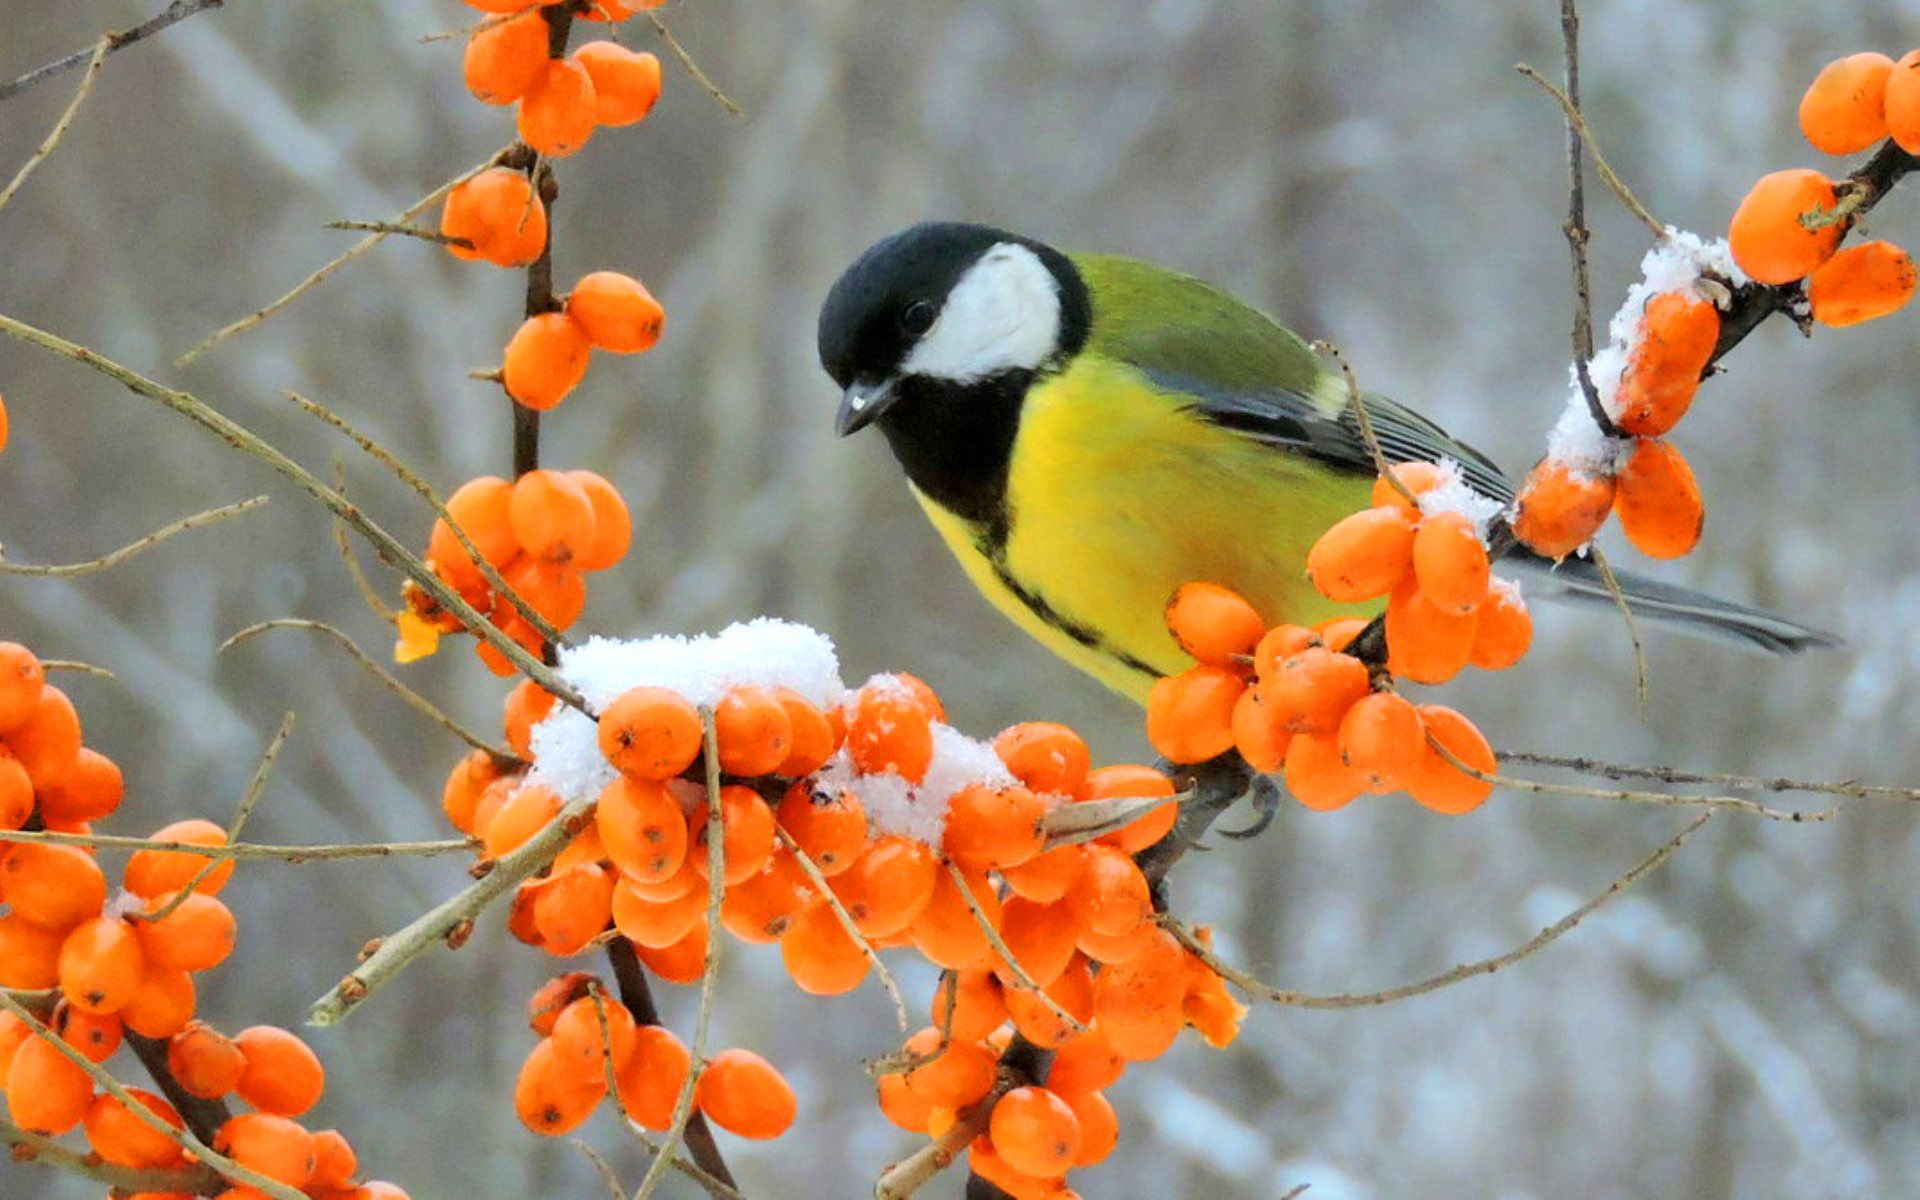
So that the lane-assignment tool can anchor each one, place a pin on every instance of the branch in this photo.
(907, 1176)
(52, 141)
(693, 68)
(402, 230)
(256, 787)
(174, 13)
(31, 1147)
(1607, 770)
(116, 557)
(78, 668)
(294, 855)
(847, 923)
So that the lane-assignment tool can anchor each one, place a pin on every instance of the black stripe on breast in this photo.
(995, 550)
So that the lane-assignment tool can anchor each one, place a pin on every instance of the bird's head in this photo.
(950, 304)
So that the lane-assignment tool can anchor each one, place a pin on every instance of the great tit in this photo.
(1087, 433)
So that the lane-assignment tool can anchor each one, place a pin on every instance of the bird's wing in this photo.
(1243, 371)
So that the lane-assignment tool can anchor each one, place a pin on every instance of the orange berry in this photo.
(125, 1140)
(1213, 623)
(1845, 108)
(1039, 937)
(814, 736)
(890, 728)
(1418, 478)
(643, 829)
(1659, 501)
(1363, 555)
(1450, 563)
(545, 359)
(1138, 1002)
(1678, 333)
(1035, 1132)
(1338, 632)
(1861, 283)
(1132, 780)
(552, 1096)
(16, 792)
(649, 1084)
(612, 524)
(1561, 508)
(1190, 715)
(650, 733)
(274, 1146)
(947, 932)
(554, 590)
(1258, 737)
(499, 214)
(625, 84)
(480, 510)
(656, 923)
(1317, 777)
(1903, 102)
(504, 59)
(1312, 690)
(819, 955)
(615, 312)
(152, 873)
(743, 1094)
(334, 1162)
(552, 997)
(199, 933)
(526, 812)
(579, 1039)
(1770, 235)
(956, 1074)
(282, 1075)
(1381, 738)
(979, 1004)
(1503, 631)
(1439, 784)
(1071, 989)
(900, 1106)
(557, 111)
(1045, 756)
(526, 705)
(54, 886)
(682, 962)
(46, 1091)
(96, 1035)
(206, 1062)
(573, 908)
(162, 1005)
(1099, 1128)
(829, 826)
(47, 743)
(1111, 897)
(993, 827)
(93, 789)
(752, 729)
(22, 679)
(1046, 877)
(746, 825)
(29, 953)
(1085, 1062)
(985, 1162)
(1279, 644)
(760, 909)
(889, 886)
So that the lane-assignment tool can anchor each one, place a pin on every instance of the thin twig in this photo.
(412, 699)
(907, 1176)
(344, 545)
(693, 68)
(31, 1147)
(398, 229)
(256, 787)
(1364, 420)
(1085, 820)
(1601, 167)
(47, 147)
(1486, 966)
(600, 1165)
(258, 316)
(1607, 577)
(78, 668)
(115, 558)
(710, 973)
(848, 924)
(294, 855)
(1608, 770)
(175, 12)
(999, 945)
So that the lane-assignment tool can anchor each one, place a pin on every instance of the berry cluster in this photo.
(562, 99)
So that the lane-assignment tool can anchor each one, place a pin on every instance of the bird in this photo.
(1087, 433)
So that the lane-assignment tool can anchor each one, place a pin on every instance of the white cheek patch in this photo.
(1003, 315)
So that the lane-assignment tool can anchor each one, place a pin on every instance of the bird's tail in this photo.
(1577, 581)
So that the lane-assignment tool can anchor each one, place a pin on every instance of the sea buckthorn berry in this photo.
(199, 933)
(922, 691)
(573, 909)
(47, 743)
(16, 792)
(1138, 1003)
(890, 728)
(649, 1084)
(615, 312)
(1111, 897)
(1678, 333)
(650, 733)
(125, 1140)
(1211, 1010)
(528, 810)
(1035, 1018)
(493, 798)
(656, 923)
(282, 1074)
(1861, 283)
(612, 524)
(1046, 756)
(54, 886)
(1190, 715)
(752, 729)
(1504, 631)
(814, 735)
(1338, 632)
(1312, 690)
(1099, 1127)
(479, 507)
(1903, 102)
(29, 953)
(828, 825)
(46, 1091)
(1845, 108)
(552, 1096)
(1560, 508)
(503, 59)
(1258, 737)
(743, 1094)
(1214, 624)
(1777, 233)
(96, 1035)
(552, 997)
(643, 829)
(900, 1106)
(762, 908)
(1040, 939)
(1317, 777)
(1659, 501)
(554, 590)
(1279, 644)
(890, 886)
(1035, 1131)
(947, 931)
(819, 955)
(979, 1004)
(100, 964)
(579, 1038)
(1364, 555)
(1381, 738)
(955, 1073)
(162, 1005)
(93, 789)
(1450, 562)
(1437, 783)
(556, 113)
(1085, 1062)
(1046, 876)
(152, 873)
(499, 214)
(1418, 478)
(274, 1146)
(992, 827)
(526, 706)
(1131, 780)
(206, 1062)
(746, 825)
(504, 6)
(625, 84)
(21, 680)
(335, 1164)
(545, 360)
(985, 1162)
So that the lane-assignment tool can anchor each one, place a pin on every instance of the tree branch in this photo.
(174, 13)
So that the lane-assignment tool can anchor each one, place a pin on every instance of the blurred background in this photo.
(1746, 1023)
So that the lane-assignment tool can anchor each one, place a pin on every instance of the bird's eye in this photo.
(917, 318)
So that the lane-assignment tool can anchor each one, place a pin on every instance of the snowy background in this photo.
(1746, 1024)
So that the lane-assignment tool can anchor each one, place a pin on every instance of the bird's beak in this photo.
(863, 403)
